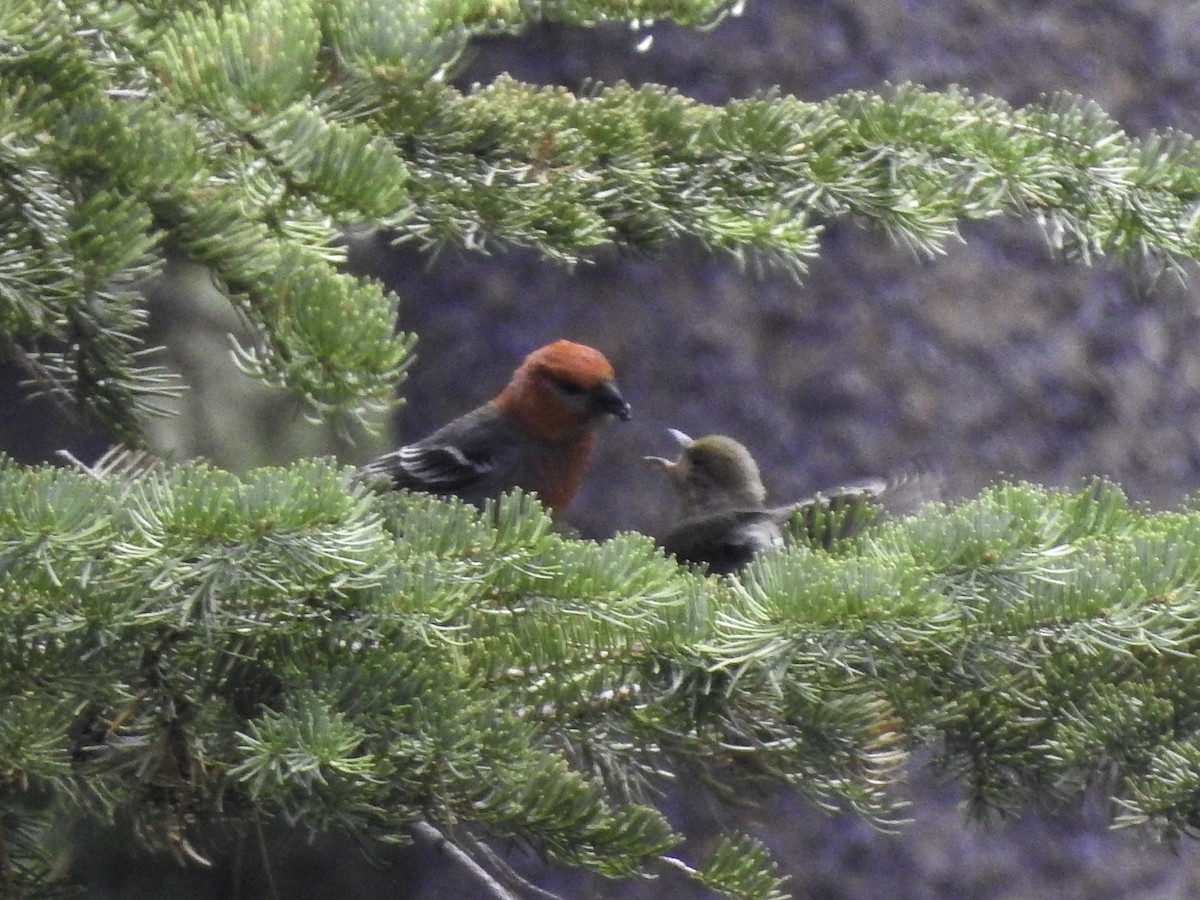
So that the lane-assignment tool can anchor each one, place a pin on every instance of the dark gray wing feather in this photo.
(725, 541)
(468, 458)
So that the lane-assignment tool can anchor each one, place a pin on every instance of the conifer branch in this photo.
(246, 137)
(183, 644)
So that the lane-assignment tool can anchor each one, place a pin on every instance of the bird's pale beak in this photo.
(671, 466)
(661, 461)
(682, 439)
(607, 399)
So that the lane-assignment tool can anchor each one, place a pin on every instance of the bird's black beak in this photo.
(606, 398)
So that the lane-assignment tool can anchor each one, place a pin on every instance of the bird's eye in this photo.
(570, 388)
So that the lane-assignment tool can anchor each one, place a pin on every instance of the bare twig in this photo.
(433, 837)
(507, 872)
(262, 848)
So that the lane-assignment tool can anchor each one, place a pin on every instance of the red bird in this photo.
(536, 434)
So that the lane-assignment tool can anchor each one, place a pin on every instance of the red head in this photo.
(562, 392)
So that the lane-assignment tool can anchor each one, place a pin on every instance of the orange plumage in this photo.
(536, 434)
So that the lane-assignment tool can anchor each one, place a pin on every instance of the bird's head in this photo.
(713, 473)
(562, 390)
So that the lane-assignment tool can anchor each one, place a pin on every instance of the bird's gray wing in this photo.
(724, 541)
(462, 458)
(833, 515)
(845, 511)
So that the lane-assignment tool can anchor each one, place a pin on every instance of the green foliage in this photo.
(742, 867)
(181, 645)
(275, 643)
(247, 134)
